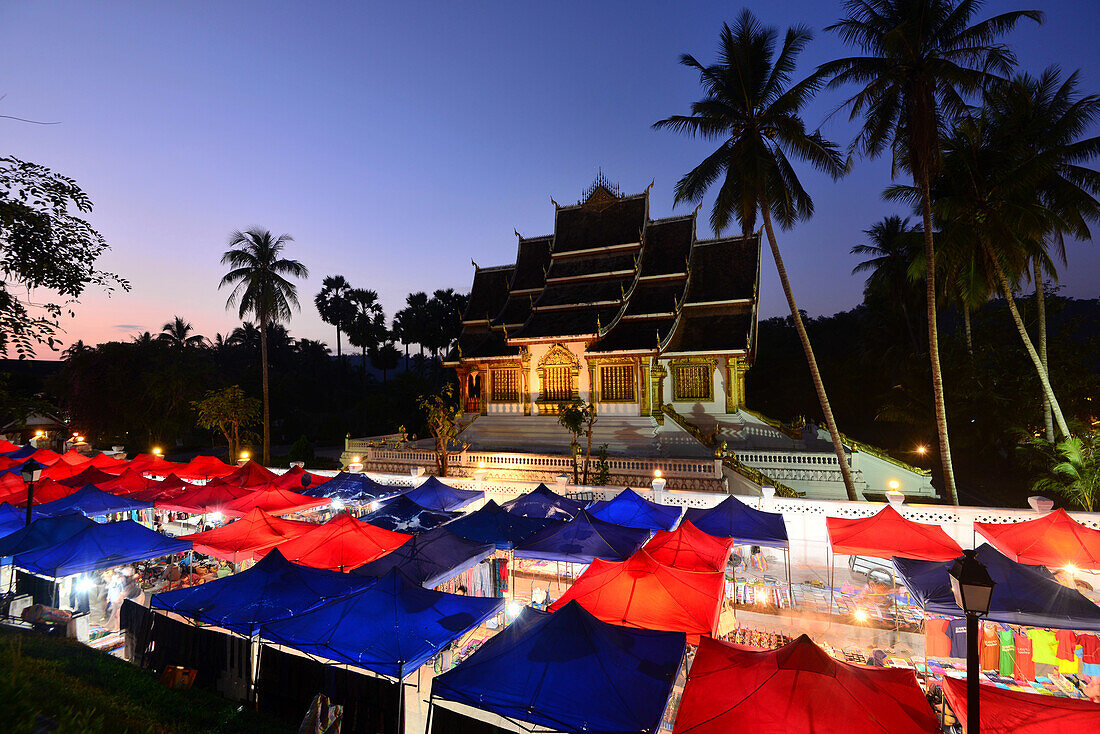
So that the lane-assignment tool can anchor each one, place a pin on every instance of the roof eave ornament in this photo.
(556, 205)
(647, 188)
(474, 264)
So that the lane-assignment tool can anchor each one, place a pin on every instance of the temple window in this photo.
(617, 383)
(505, 385)
(558, 384)
(692, 382)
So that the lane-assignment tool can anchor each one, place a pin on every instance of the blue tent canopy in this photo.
(402, 515)
(21, 453)
(430, 558)
(91, 502)
(43, 533)
(349, 487)
(545, 503)
(272, 589)
(582, 540)
(569, 671)
(392, 628)
(492, 524)
(1022, 594)
(11, 518)
(732, 518)
(435, 495)
(98, 547)
(631, 510)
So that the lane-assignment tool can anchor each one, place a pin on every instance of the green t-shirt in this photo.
(1008, 653)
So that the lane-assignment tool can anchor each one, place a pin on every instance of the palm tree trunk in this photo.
(966, 329)
(267, 397)
(934, 344)
(1041, 301)
(337, 343)
(1002, 279)
(815, 373)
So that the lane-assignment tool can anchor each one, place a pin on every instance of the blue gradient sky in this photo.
(396, 142)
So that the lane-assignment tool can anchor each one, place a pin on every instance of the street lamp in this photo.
(973, 591)
(31, 471)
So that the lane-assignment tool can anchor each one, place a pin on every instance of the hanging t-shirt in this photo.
(1090, 654)
(956, 630)
(1068, 662)
(1008, 653)
(1044, 646)
(1025, 666)
(990, 654)
(936, 642)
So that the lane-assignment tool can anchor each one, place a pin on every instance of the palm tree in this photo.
(922, 59)
(1075, 472)
(418, 325)
(177, 332)
(260, 289)
(1047, 115)
(384, 356)
(891, 249)
(367, 327)
(333, 306)
(752, 107)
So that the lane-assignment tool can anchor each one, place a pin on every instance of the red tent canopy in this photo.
(342, 544)
(251, 474)
(247, 537)
(1016, 712)
(798, 687)
(6, 446)
(74, 457)
(273, 500)
(12, 487)
(201, 500)
(107, 463)
(168, 488)
(1055, 540)
(62, 470)
(887, 534)
(45, 456)
(127, 482)
(293, 479)
(205, 467)
(90, 475)
(6, 462)
(45, 490)
(642, 593)
(689, 548)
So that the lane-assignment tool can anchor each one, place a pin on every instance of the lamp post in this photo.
(31, 471)
(973, 590)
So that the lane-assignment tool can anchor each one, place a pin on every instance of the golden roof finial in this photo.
(474, 264)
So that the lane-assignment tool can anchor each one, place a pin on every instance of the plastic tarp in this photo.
(1026, 595)
(732, 518)
(430, 558)
(204, 467)
(153, 464)
(43, 533)
(569, 671)
(631, 510)
(292, 480)
(1055, 540)
(1018, 712)
(89, 475)
(11, 519)
(642, 593)
(403, 515)
(582, 540)
(272, 500)
(250, 474)
(273, 589)
(797, 688)
(247, 538)
(45, 491)
(435, 495)
(353, 488)
(203, 500)
(22, 452)
(91, 502)
(391, 628)
(545, 503)
(887, 534)
(492, 524)
(7, 447)
(341, 544)
(98, 547)
(689, 548)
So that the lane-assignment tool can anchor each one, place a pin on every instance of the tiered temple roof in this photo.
(613, 277)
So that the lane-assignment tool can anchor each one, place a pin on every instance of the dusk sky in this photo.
(396, 142)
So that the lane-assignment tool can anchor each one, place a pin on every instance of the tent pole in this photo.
(790, 589)
(832, 573)
(400, 701)
(431, 708)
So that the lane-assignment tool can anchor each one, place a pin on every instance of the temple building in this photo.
(615, 309)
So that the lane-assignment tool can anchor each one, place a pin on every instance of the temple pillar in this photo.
(657, 384)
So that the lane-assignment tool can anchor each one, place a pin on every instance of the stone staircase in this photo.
(624, 436)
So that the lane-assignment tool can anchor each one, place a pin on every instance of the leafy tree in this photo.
(1076, 471)
(334, 307)
(440, 411)
(260, 289)
(44, 243)
(229, 411)
(177, 332)
(751, 105)
(602, 476)
(922, 59)
(578, 418)
(302, 450)
(384, 357)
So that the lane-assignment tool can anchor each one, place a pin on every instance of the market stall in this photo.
(250, 474)
(544, 502)
(435, 495)
(430, 558)
(492, 524)
(343, 543)
(273, 500)
(293, 480)
(403, 515)
(1012, 712)
(689, 549)
(631, 510)
(91, 502)
(204, 468)
(247, 538)
(1055, 540)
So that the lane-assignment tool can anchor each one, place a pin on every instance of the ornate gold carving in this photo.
(525, 378)
(735, 383)
(693, 379)
(558, 373)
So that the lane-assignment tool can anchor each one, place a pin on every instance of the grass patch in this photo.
(56, 685)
